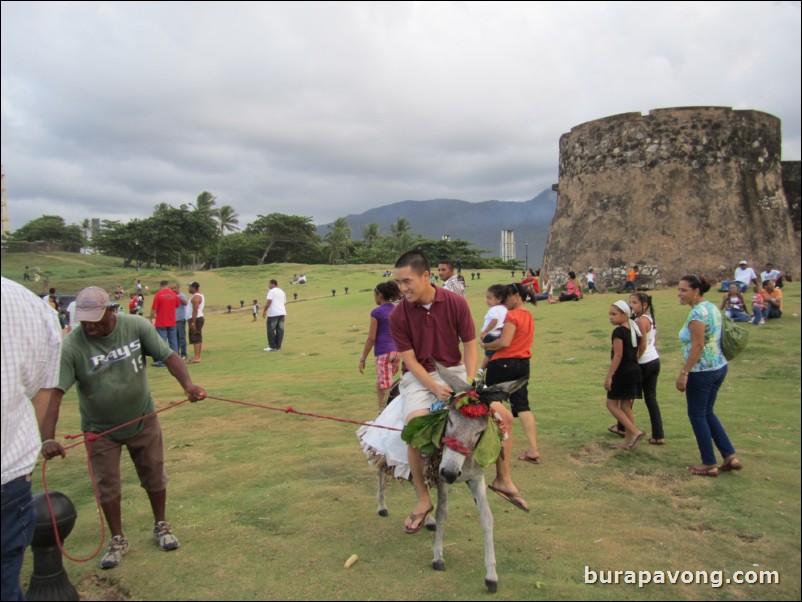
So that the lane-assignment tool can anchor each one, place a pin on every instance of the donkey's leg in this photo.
(380, 493)
(479, 491)
(439, 564)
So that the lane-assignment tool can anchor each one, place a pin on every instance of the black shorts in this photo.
(508, 369)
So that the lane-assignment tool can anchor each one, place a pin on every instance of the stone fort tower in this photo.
(685, 190)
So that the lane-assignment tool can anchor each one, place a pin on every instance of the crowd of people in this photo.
(506, 338)
(415, 323)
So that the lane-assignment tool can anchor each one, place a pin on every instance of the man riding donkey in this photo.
(427, 326)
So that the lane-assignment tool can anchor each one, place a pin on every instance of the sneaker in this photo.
(163, 534)
(763, 320)
(114, 556)
(268, 349)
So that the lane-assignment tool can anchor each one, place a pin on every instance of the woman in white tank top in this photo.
(649, 361)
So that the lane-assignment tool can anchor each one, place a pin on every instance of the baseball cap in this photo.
(91, 304)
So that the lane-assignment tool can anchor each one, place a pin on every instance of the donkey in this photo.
(457, 465)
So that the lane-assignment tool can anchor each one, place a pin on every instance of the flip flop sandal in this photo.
(703, 472)
(630, 445)
(512, 498)
(653, 441)
(413, 517)
(613, 428)
(731, 464)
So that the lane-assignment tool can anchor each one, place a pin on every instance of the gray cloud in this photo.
(325, 109)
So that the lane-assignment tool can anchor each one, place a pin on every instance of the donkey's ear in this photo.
(511, 386)
(452, 381)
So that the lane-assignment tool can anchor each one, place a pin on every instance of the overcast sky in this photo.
(330, 108)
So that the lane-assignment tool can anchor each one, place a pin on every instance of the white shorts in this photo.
(416, 396)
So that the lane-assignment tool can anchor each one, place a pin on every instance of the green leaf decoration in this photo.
(425, 432)
(489, 446)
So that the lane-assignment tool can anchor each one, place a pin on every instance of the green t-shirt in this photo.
(110, 372)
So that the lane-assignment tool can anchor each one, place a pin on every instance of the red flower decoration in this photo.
(474, 410)
(456, 445)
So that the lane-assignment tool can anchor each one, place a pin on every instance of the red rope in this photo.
(291, 410)
(90, 438)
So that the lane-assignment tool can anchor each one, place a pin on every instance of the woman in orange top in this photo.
(511, 360)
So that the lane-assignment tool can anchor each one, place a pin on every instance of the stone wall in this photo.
(692, 189)
(792, 182)
(611, 278)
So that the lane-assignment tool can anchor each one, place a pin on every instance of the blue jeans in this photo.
(181, 337)
(18, 522)
(275, 331)
(168, 334)
(736, 315)
(701, 392)
(760, 314)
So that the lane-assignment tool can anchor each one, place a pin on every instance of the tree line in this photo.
(203, 235)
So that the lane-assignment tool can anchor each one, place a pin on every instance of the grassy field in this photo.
(269, 505)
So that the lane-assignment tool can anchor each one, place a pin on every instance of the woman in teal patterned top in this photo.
(702, 375)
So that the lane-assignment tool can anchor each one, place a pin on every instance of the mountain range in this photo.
(478, 223)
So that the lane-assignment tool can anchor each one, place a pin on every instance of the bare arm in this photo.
(489, 328)
(47, 426)
(618, 354)
(505, 340)
(645, 326)
(195, 305)
(374, 329)
(179, 371)
(697, 329)
(470, 356)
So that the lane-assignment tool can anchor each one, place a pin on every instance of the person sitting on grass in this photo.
(734, 306)
(573, 292)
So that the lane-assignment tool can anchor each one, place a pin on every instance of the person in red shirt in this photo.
(162, 316)
(513, 349)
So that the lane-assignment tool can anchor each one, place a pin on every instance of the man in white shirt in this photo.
(772, 274)
(744, 276)
(451, 281)
(275, 311)
(31, 351)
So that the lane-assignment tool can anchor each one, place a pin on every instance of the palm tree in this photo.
(402, 233)
(370, 234)
(86, 225)
(204, 204)
(338, 238)
(227, 220)
(400, 227)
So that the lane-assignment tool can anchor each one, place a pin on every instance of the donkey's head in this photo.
(460, 437)
(467, 420)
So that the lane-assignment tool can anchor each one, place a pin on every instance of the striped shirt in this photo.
(31, 349)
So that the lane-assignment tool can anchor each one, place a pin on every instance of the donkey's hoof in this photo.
(439, 565)
(492, 586)
(431, 524)
(384, 512)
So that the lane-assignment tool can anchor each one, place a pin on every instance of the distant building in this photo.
(507, 245)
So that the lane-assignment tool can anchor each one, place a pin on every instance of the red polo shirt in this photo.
(164, 304)
(433, 333)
